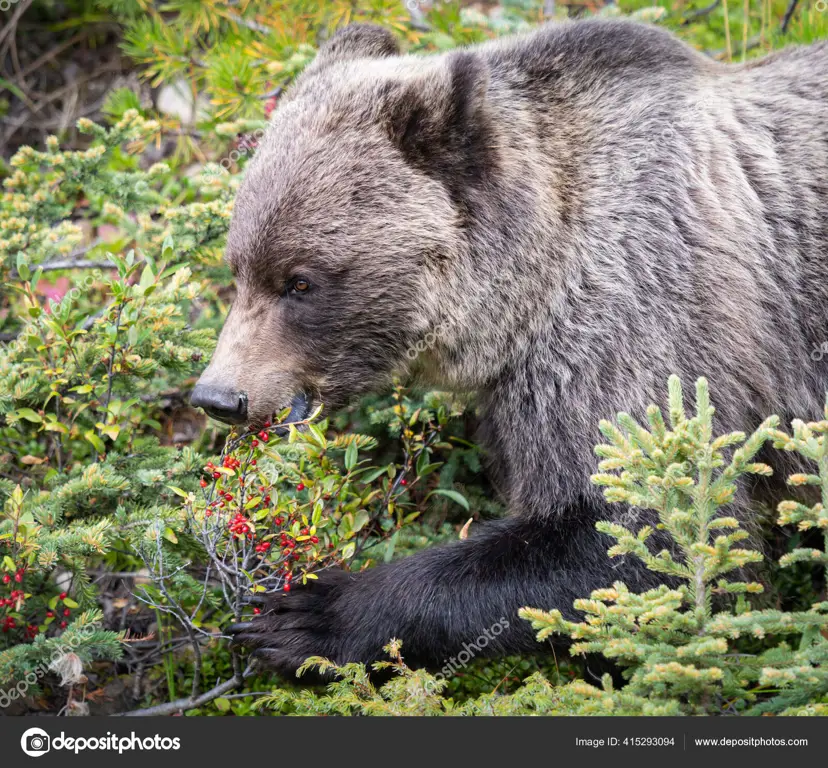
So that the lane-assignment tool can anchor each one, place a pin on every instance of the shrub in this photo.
(678, 647)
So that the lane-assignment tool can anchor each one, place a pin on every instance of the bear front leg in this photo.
(442, 601)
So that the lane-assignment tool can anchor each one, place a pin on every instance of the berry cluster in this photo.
(18, 577)
(235, 487)
(240, 526)
(17, 595)
(15, 602)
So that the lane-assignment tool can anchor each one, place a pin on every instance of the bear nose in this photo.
(223, 404)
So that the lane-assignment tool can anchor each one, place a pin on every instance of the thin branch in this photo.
(786, 19)
(699, 13)
(49, 55)
(11, 27)
(418, 20)
(754, 42)
(110, 372)
(51, 266)
(273, 92)
(182, 705)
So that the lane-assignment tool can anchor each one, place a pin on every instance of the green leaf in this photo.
(147, 277)
(96, 441)
(360, 520)
(29, 415)
(111, 431)
(316, 517)
(449, 494)
(23, 266)
(351, 456)
(348, 550)
(167, 247)
(389, 549)
(70, 603)
(368, 475)
(222, 704)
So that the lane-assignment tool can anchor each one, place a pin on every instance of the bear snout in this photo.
(226, 405)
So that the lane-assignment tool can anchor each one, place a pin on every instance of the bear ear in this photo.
(357, 41)
(441, 122)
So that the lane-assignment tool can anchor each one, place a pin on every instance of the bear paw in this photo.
(293, 626)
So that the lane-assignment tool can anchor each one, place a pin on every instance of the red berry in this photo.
(403, 482)
(253, 463)
(300, 487)
(203, 483)
(267, 423)
(314, 539)
(257, 611)
(216, 475)
(50, 614)
(18, 577)
(63, 625)
(264, 436)
(254, 442)
(63, 595)
(286, 587)
(6, 578)
(278, 521)
(67, 612)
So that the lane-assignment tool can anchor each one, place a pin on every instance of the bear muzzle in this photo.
(222, 404)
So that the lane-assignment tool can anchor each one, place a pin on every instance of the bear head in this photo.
(347, 226)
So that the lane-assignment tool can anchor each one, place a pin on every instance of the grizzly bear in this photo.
(556, 222)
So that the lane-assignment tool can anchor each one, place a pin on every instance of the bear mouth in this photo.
(300, 407)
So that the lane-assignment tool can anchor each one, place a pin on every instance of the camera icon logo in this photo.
(35, 742)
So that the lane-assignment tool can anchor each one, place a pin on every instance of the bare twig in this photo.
(52, 266)
(418, 20)
(109, 371)
(699, 13)
(49, 55)
(182, 705)
(11, 27)
(789, 13)
(753, 42)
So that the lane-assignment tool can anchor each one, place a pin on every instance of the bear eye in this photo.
(299, 285)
